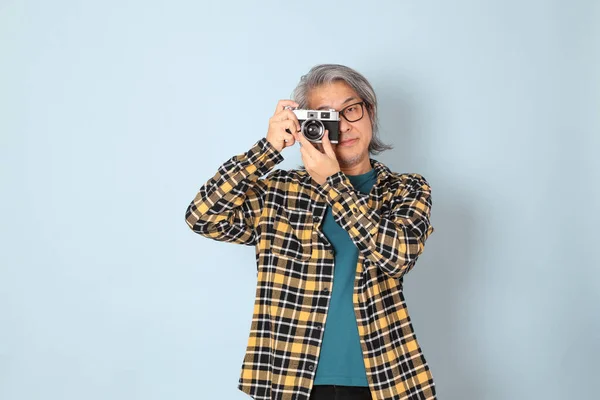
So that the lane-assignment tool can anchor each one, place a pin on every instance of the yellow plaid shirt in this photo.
(281, 215)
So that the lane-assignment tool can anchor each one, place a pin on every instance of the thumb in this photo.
(327, 145)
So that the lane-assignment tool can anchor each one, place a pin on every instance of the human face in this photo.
(352, 150)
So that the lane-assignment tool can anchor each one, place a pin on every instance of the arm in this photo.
(392, 242)
(227, 207)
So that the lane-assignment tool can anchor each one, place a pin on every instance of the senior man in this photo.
(333, 242)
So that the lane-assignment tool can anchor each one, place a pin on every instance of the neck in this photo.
(360, 168)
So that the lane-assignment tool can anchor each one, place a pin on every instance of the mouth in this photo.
(347, 142)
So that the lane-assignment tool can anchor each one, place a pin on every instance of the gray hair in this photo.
(329, 73)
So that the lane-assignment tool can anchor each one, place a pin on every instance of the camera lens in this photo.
(313, 129)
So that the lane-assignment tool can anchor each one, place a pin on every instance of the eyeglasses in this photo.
(353, 112)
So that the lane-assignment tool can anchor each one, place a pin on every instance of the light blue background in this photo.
(114, 113)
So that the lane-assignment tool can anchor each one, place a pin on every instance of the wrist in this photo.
(274, 146)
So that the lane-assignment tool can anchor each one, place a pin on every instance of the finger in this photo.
(306, 158)
(307, 145)
(289, 140)
(286, 115)
(294, 117)
(281, 104)
(287, 126)
(327, 145)
(288, 133)
(296, 134)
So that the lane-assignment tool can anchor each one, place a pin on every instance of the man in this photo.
(333, 242)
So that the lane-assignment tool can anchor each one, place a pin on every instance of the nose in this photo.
(345, 126)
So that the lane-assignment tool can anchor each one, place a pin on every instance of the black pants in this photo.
(337, 392)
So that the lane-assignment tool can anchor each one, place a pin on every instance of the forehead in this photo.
(333, 95)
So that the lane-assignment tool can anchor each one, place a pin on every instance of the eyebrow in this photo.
(345, 101)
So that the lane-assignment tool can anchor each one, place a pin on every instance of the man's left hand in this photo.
(319, 165)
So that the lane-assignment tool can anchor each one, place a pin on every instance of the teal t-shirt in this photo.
(341, 358)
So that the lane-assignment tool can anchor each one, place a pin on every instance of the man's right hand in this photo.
(280, 121)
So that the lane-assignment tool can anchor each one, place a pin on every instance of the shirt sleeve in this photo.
(228, 205)
(392, 241)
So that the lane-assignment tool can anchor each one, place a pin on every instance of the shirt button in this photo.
(354, 210)
(331, 252)
(311, 367)
(325, 291)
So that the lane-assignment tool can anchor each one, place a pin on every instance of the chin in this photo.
(349, 160)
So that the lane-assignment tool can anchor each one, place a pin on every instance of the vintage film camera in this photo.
(314, 122)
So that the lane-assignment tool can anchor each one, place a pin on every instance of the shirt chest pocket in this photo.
(292, 233)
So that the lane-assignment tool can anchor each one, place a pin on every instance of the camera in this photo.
(314, 122)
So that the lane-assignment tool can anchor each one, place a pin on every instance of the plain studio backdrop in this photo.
(114, 113)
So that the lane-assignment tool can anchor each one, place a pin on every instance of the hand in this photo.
(283, 119)
(319, 165)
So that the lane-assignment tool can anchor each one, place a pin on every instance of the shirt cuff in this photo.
(334, 187)
(261, 158)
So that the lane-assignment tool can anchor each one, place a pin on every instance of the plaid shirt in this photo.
(281, 215)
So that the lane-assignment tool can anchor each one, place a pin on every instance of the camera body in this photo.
(314, 122)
